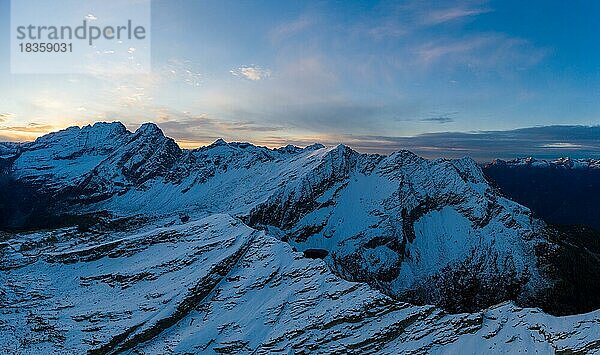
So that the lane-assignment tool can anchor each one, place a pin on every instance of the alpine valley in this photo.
(122, 242)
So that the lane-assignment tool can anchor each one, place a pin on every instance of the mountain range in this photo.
(561, 191)
(121, 241)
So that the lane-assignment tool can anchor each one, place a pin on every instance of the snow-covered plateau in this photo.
(119, 241)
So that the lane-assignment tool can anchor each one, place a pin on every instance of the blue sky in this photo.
(378, 76)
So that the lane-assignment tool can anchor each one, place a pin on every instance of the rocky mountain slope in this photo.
(217, 286)
(224, 235)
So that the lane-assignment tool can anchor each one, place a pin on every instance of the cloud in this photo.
(132, 98)
(387, 29)
(480, 51)
(439, 49)
(25, 132)
(253, 73)
(5, 116)
(437, 17)
(433, 36)
(181, 71)
(409, 18)
(291, 28)
(562, 145)
(541, 142)
(331, 116)
(29, 128)
(440, 118)
(194, 130)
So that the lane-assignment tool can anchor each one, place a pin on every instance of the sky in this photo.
(442, 78)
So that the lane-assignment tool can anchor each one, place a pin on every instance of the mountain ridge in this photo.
(409, 226)
(558, 163)
(237, 248)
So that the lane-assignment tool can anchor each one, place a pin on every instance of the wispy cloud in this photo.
(291, 28)
(29, 128)
(183, 71)
(440, 118)
(412, 17)
(562, 145)
(455, 13)
(489, 50)
(5, 116)
(433, 51)
(432, 36)
(387, 29)
(253, 72)
(26, 132)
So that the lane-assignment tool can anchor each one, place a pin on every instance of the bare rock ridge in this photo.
(415, 230)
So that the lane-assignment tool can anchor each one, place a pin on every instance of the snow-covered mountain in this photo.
(212, 250)
(215, 285)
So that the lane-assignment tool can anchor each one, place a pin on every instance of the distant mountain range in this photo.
(561, 191)
(117, 240)
(559, 164)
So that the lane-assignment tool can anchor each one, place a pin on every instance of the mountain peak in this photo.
(289, 149)
(315, 146)
(116, 126)
(343, 148)
(149, 128)
(219, 142)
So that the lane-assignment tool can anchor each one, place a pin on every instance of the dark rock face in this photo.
(315, 253)
(472, 284)
(21, 205)
(574, 262)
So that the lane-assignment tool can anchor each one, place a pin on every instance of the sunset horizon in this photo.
(373, 75)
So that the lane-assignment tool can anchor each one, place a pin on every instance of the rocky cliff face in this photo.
(415, 230)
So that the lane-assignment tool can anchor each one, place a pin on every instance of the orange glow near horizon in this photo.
(24, 134)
